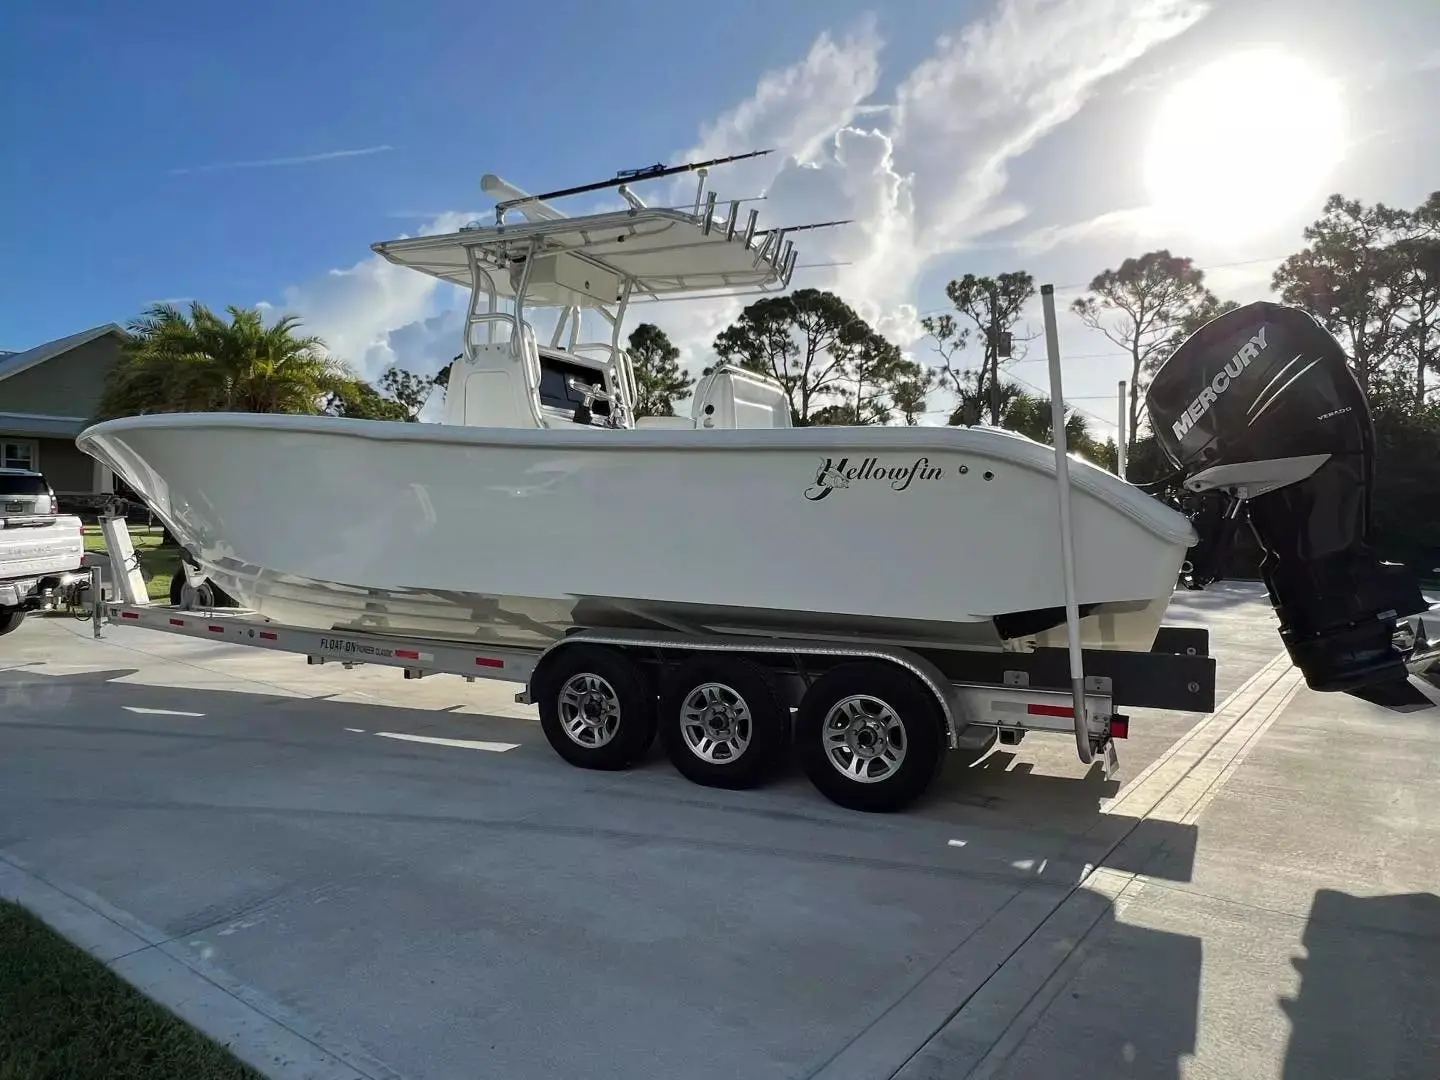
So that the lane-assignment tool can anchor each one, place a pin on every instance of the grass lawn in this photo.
(158, 562)
(66, 1016)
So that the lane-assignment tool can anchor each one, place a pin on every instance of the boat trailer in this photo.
(849, 698)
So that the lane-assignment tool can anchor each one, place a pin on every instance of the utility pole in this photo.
(1120, 435)
(994, 358)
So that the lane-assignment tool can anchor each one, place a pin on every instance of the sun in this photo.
(1244, 144)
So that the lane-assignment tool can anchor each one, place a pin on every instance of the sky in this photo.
(167, 151)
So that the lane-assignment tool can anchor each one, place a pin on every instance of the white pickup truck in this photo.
(39, 554)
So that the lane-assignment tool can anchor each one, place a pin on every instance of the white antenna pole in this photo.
(1067, 534)
(1120, 438)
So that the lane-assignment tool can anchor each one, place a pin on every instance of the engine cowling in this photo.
(1259, 408)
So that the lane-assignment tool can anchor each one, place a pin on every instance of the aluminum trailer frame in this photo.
(984, 696)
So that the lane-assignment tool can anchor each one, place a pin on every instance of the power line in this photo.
(1114, 355)
(1069, 398)
(1117, 355)
(1087, 412)
(1085, 285)
(1072, 356)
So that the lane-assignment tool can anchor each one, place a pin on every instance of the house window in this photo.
(18, 455)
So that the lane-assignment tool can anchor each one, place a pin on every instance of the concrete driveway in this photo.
(477, 908)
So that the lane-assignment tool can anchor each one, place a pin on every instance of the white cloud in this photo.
(990, 94)
(822, 169)
(1134, 223)
(925, 176)
(922, 176)
(356, 310)
(1242, 282)
(798, 109)
(374, 314)
(270, 163)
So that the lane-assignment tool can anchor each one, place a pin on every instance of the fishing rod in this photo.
(629, 176)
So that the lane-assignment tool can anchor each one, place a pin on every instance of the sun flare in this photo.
(1245, 143)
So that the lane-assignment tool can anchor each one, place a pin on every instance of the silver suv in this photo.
(25, 492)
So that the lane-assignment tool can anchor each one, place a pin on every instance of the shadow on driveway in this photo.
(764, 934)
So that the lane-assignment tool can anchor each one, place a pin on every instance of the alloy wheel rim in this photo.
(589, 710)
(864, 739)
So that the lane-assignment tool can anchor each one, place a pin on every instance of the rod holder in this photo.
(636, 203)
(702, 172)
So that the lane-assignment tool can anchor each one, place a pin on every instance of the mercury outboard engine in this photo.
(1259, 410)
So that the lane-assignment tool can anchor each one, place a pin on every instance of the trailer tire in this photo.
(599, 695)
(865, 712)
(722, 722)
(10, 619)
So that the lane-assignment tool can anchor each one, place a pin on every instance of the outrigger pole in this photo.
(802, 228)
(627, 176)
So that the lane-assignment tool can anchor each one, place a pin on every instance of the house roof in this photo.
(36, 425)
(14, 363)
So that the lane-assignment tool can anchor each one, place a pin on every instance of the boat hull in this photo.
(931, 536)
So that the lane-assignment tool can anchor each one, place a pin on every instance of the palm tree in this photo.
(200, 363)
(1030, 415)
(1024, 412)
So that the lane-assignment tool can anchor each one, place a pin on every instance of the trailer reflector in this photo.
(177, 622)
(269, 635)
(1050, 710)
(215, 629)
(488, 661)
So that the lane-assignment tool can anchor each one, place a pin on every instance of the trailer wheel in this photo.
(596, 709)
(207, 597)
(723, 723)
(11, 619)
(870, 736)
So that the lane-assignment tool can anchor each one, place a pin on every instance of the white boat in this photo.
(539, 503)
(938, 536)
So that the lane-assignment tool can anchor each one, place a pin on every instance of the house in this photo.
(47, 396)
